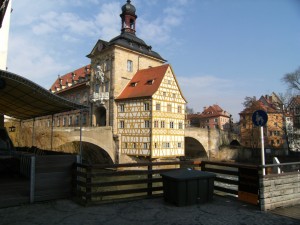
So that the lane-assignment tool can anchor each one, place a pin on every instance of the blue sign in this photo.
(259, 118)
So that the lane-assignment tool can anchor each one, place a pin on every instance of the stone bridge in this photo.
(203, 142)
(100, 145)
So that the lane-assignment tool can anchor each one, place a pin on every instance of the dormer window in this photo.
(133, 84)
(150, 82)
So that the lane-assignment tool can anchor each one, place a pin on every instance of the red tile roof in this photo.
(144, 83)
(67, 78)
(258, 105)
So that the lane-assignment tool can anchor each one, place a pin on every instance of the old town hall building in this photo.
(128, 87)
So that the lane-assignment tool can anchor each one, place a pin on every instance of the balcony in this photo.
(99, 97)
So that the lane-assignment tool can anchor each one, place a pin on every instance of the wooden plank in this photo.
(127, 191)
(226, 190)
(125, 182)
(220, 171)
(227, 181)
(248, 197)
(54, 169)
(54, 161)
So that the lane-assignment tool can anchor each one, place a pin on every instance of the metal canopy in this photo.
(23, 99)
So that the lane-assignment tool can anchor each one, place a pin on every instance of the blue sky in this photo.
(221, 50)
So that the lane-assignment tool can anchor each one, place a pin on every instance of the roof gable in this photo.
(73, 78)
(144, 83)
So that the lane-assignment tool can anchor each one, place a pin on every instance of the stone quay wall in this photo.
(279, 190)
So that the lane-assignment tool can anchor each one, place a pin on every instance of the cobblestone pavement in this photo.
(221, 210)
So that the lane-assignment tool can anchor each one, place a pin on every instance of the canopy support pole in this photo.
(52, 125)
(33, 132)
(80, 143)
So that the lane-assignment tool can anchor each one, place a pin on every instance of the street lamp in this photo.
(12, 129)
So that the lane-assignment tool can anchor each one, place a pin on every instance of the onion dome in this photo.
(128, 9)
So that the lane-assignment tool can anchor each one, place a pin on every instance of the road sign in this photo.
(259, 118)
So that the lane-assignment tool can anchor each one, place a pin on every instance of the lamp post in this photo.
(12, 128)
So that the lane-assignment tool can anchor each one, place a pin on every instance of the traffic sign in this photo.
(259, 118)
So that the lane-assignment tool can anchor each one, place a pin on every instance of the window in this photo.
(174, 95)
(146, 106)
(158, 106)
(169, 108)
(125, 145)
(164, 94)
(162, 124)
(147, 123)
(129, 66)
(106, 65)
(155, 145)
(48, 123)
(145, 145)
(166, 145)
(77, 120)
(70, 120)
(134, 145)
(169, 81)
(180, 125)
(179, 145)
(171, 124)
(150, 82)
(179, 109)
(155, 123)
(64, 121)
(216, 120)
(122, 124)
(131, 23)
(122, 107)
(275, 124)
(84, 119)
(133, 84)
(58, 122)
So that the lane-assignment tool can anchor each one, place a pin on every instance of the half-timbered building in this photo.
(151, 114)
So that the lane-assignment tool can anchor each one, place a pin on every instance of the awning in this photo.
(23, 99)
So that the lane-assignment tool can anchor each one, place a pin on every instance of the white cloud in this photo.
(107, 21)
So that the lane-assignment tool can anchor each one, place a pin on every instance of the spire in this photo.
(128, 17)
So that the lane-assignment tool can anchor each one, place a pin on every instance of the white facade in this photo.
(4, 33)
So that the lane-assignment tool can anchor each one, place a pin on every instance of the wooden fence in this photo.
(50, 175)
(102, 183)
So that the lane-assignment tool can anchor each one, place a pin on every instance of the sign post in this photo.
(260, 118)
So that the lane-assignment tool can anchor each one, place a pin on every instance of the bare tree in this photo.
(189, 110)
(249, 101)
(292, 79)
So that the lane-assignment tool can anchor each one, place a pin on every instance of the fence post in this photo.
(202, 166)
(32, 178)
(88, 187)
(149, 184)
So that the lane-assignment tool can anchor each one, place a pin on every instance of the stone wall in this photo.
(279, 190)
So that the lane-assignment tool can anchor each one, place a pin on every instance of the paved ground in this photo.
(221, 211)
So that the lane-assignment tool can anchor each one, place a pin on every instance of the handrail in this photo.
(279, 164)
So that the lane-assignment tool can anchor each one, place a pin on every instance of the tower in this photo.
(113, 65)
(128, 18)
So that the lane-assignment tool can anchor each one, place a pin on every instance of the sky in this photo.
(220, 50)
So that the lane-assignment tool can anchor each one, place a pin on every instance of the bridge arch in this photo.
(194, 149)
(91, 153)
(235, 143)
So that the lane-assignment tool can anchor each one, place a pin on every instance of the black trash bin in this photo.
(186, 187)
